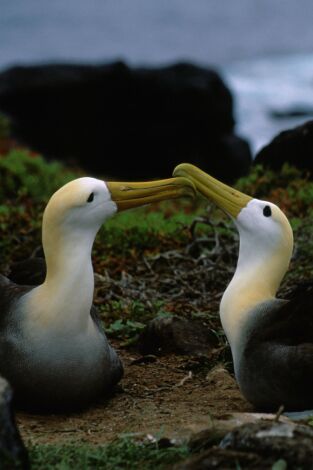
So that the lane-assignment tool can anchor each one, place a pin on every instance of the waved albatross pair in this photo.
(271, 339)
(53, 349)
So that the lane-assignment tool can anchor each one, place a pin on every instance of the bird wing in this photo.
(290, 323)
(277, 362)
(9, 293)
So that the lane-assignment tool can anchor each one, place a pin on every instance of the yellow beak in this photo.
(128, 195)
(225, 197)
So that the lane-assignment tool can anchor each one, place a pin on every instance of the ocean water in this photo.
(264, 49)
(270, 84)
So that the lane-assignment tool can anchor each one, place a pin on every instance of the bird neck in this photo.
(256, 279)
(65, 298)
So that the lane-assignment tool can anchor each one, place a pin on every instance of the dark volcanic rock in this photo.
(293, 146)
(130, 123)
(177, 335)
(12, 451)
(291, 112)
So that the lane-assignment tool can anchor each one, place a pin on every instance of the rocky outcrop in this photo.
(12, 451)
(126, 122)
(293, 146)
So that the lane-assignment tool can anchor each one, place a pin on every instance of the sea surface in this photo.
(263, 48)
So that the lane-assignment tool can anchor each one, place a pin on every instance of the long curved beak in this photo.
(225, 197)
(128, 195)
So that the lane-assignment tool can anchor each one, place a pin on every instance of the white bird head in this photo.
(262, 226)
(81, 206)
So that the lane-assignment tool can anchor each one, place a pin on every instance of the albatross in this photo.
(271, 339)
(53, 349)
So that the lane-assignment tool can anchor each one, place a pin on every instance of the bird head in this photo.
(262, 226)
(84, 204)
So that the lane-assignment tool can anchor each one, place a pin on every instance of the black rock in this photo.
(177, 335)
(126, 122)
(293, 146)
(297, 111)
(12, 451)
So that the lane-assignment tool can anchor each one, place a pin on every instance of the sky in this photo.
(149, 31)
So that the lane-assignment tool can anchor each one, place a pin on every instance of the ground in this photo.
(161, 398)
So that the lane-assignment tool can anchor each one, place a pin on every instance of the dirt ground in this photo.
(163, 397)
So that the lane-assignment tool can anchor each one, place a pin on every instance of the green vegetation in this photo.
(123, 233)
(126, 319)
(121, 454)
(25, 173)
(290, 189)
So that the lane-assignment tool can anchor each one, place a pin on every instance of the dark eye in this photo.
(267, 211)
(90, 197)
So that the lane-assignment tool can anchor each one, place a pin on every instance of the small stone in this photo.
(177, 335)
(12, 451)
(221, 378)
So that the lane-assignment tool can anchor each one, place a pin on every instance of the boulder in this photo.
(293, 146)
(126, 122)
(177, 335)
(12, 451)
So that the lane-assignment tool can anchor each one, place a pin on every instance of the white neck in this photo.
(64, 300)
(257, 278)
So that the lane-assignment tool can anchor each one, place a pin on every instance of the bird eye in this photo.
(90, 197)
(267, 211)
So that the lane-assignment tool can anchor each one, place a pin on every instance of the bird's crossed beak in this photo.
(225, 197)
(128, 195)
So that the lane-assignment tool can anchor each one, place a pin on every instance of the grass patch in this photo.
(25, 173)
(121, 454)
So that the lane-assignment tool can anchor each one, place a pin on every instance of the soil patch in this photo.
(163, 397)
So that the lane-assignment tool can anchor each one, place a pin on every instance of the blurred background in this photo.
(262, 49)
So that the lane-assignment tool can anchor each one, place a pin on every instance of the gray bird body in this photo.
(51, 370)
(274, 362)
